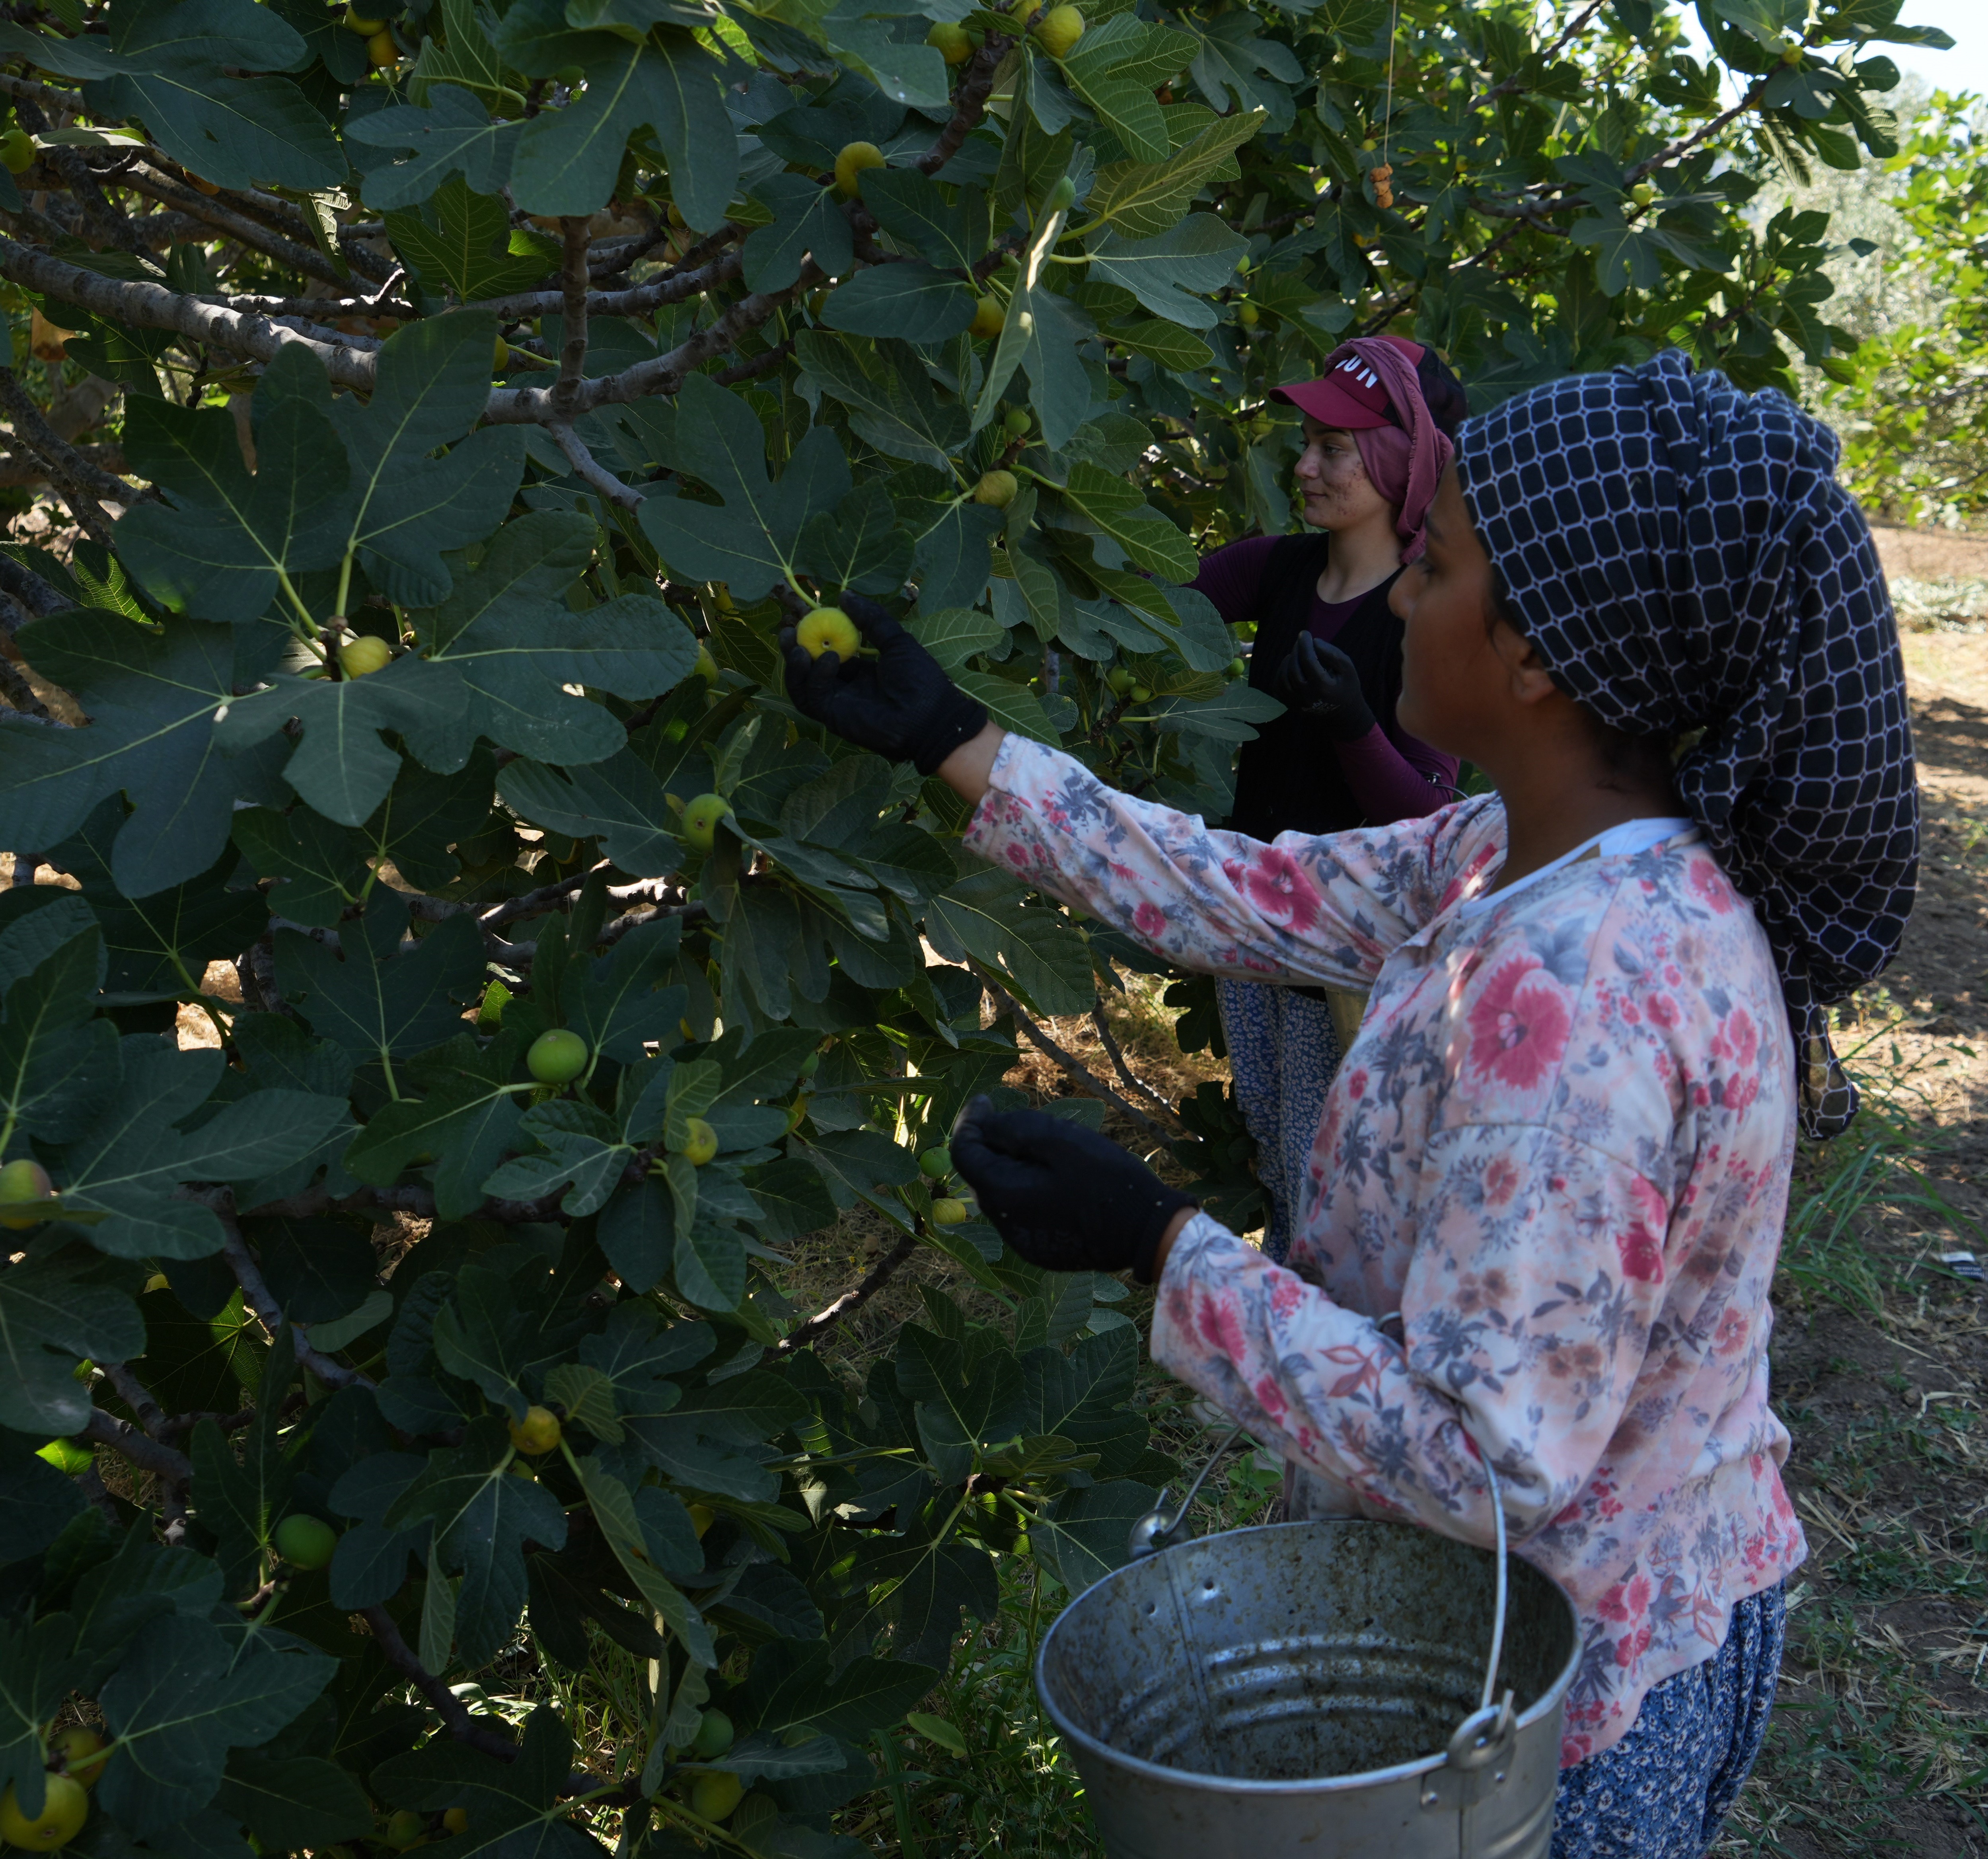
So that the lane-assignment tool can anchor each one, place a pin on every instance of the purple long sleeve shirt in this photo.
(1391, 774)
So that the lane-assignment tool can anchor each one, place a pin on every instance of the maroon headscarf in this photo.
(1382, 389)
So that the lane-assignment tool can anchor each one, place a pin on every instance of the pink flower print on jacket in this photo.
(1519, 1024)
(1572, 1211)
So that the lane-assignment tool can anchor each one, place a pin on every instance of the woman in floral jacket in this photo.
(1542, 1210)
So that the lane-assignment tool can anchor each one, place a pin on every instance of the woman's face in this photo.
(1455, 680)
(1333, 479)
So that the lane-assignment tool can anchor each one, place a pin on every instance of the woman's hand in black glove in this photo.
(1065, 1198)
(1320, 680)
(899, 703)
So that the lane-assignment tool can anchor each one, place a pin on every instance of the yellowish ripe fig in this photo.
(537, 1432)
(17, 150)
(22, 1181)
(700, 1143)
(951, 41)
(996, 490)
(829, 629)
(381, 50)
(65, 1807)
(361, 23)
(850, 163)
(1062, 27)
(716, 1795)
(990, 317)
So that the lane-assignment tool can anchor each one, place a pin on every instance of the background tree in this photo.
(425, 423)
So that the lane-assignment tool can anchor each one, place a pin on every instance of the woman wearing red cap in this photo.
(1377, 426)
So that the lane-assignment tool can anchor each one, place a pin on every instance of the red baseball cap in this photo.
(1351, 397)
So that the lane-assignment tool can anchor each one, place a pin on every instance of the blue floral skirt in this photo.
(1282, 1052)
(1664, 1789)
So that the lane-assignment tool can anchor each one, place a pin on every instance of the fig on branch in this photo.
(381, 50)
(361, 656)
(949, 1212)
(700, 1142)
(20, 1181)
(361, 23)
(17, 150)
(1018, 420)
(305, 1542)
(537, 1433)
(829, 629)
(850, 161)
(935, 1164)
(990, 317)
(1061, 195)
(74, 1752)
(557, 1056)
(716, 1795)
(996, 490)
(700, 820)
(65, 1807)
(456, 1820)
(714, 1736)
(1062, 27)
(951, 41)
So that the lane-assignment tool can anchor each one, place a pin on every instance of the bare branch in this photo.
(255, 1289)
(1132, 1083)
(1072, 1067)
(288, 252)
(136, 1395)
(153, 307)
(686, 280)
(452, 1711)
(872, 1281)
(110, 459)
(38, 596)
(79, 482)
(969, 102)
(591, 471)
(127, 1442)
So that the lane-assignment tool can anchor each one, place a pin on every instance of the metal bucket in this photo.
(1314, 1689)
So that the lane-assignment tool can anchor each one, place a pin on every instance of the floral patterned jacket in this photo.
(1558, 1149)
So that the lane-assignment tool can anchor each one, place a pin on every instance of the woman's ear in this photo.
(1528, 679)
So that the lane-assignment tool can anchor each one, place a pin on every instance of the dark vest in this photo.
(1288, 780)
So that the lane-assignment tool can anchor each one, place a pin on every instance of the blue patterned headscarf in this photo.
(1682, 557)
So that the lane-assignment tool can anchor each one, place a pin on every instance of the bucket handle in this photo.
(1155, 1530)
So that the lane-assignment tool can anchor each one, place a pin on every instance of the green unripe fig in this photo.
(21, 1181)
(1061, 195)
(701, 1517)
(810, 1065)
(1642, 193)
(948, 1213)
(850, 161)
(700, 820)
(935, 1164)
(1062, 27)
(706, 666)
(716, 1795)
(700, 1142)
(557, 1056)
(1119, 679)
(364, 24)
(829, 629)
(951, 41)
(1791, 55)
(404, 1828)
(570, 75)
(990, 317)
(714, 1736)
(71, 1751)
(362, 656)
(1017, 420)
(1237, 667)
(1249, 315)
(996, 490)
(500, 356)
(1369, 143)
(381, 50)
(17, 150)
(537, 1433)
(305, 1542)
(1140, 693)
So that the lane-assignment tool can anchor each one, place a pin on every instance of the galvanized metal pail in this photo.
(1314, 1689)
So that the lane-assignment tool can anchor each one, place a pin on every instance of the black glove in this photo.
(1065, 1198)
(898, 703)
(1320, 680)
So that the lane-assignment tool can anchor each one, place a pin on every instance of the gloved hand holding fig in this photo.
(900, 703)
(1063, 1196)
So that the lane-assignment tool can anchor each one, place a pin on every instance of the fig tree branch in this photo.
(269, 1313)
(851, 1300)
(128, 1443)
(1072, 1067)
